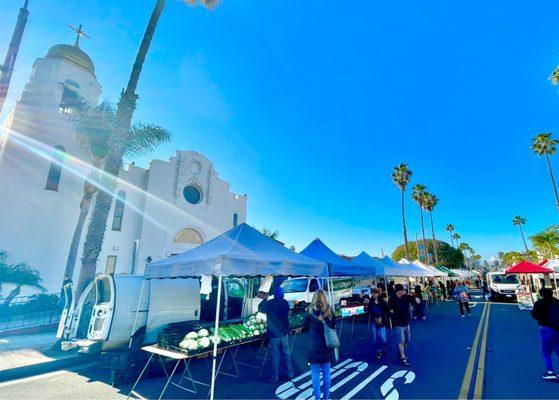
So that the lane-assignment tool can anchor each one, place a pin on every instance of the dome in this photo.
(72, 54)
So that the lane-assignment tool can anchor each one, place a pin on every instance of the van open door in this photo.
(66, 316)
(103, 309)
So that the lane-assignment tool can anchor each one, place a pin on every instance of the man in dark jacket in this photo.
(277, 312)
(546, 312)
(399, 308)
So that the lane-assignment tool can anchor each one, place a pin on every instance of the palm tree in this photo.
(464, 248)
(450, 228)
(547, 241)
(93, 126)
(19, 275)
(401, 175)
(418, 195)
(271, 234)
(519, 221)
(431, 202)
(117, 144)
(544, 144)
(456, 237)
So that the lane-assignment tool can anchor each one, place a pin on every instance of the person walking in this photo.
(442, 287)
(419, 308)
(378, 312)
(319, 356)
(399, 311)
(449, 289)
(277, 312)
(485, 289)
(462, 296)
(546, 312)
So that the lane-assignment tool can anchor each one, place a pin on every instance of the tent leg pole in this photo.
(216, 328)
(137, 312)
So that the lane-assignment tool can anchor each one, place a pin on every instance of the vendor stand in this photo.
(240, 252)
(338, 267)
(525, 295)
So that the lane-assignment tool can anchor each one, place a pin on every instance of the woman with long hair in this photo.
(319, 355)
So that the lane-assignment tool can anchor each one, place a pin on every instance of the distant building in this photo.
(166, 209)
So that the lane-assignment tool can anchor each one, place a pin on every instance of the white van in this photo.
(107, 316)
(302, 289)
(502, 286)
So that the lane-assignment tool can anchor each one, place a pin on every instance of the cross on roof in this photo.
(79, 32)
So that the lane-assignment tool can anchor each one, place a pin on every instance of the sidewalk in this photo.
(24, 355)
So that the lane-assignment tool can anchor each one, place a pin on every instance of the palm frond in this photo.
(209, 4)
(554, 77)
(145, 138)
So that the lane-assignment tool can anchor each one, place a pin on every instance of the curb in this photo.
(42, 368)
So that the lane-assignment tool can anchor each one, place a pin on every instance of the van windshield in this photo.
(506, 279)
(103, 291)
(294, 285)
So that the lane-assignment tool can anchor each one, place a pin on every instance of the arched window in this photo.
(119, 210)
(189, 236)
(55, 170)
(235, 219)
(71, 99)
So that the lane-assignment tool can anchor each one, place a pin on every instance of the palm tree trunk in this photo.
(76, 237)
(434, 239)
(523, 239)
(451, 239)
(552, 179)
(116, 143)
(425, 250)
(404, 227)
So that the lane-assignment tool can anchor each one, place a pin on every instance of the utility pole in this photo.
(7, 68)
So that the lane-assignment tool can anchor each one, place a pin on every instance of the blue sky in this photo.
(307, 106)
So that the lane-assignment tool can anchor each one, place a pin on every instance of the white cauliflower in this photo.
(192, 336)
(204, 342)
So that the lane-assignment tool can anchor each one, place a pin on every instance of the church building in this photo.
(168, 208)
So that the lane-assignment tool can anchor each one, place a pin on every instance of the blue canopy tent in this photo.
(337, 266)
(370, 263)
(241, 251)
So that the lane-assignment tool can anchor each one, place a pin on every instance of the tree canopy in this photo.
(448, 255)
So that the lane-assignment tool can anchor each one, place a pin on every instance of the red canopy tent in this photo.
(526, 267)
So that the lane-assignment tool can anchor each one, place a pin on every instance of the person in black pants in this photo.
(462, 295)
(277, 312)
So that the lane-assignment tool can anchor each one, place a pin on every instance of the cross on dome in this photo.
(79, 32)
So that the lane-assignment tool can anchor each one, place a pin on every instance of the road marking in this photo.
(46, 375)
(387, 389)
(364, 383)
(478, 388)
(465, 388)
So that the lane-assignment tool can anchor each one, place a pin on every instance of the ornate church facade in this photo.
(170, 207)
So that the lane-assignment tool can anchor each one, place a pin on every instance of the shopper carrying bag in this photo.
(322, 342)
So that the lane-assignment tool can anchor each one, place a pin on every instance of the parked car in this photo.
(302, 289)
(502, 286)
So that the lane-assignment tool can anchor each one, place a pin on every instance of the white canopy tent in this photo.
(242, 251)
(435, 271)
(395, 269)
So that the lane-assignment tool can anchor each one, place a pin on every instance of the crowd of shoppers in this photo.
(390, 306)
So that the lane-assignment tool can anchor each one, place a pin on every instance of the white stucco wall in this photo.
(37, 224)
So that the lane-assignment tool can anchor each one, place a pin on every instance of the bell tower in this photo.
(7, 68)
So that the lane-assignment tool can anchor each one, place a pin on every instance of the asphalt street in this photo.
(496, 356)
